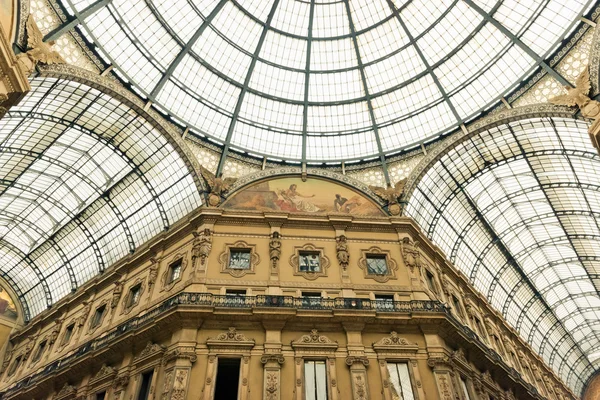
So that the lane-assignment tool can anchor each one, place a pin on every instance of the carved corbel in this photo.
(351, 360)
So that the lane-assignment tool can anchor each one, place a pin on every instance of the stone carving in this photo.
(150, 349)
(272, 386)
(167, 384)
(152, 273)
(391, 195)
(411, 254)
(394, 340)
(179, 384)
(459, 355)
(218, 186)
(310, 274)
(120, 384)
(87, 307)
(232, 335)
(39, 52)
(275, 249)
(343, 255)
(29, 347)
(7, 358)
(438, 360)
(315, 338)
(350, 360)
(579, 96)
(105, 370)
(116, 294)
(360, 390)
(66, 391)
(278, 358)
(445, 389)
(445, 284)
(186, 353)
(201, 247)
(55, 331)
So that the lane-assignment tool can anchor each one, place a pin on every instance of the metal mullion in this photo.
(72, 22)
(307, 80)
(368, 96)
(240, 101)
(186, 49)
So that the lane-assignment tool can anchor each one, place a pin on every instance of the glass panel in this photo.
(463, 384)
(309, 261)
(310, 383)
(239, 259)
(377, 265)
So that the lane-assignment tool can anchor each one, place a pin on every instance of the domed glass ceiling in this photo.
(319, 80)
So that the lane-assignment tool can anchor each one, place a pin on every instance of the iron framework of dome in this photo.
(324, 80)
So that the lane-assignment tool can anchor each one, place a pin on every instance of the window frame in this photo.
(95, 321)
(309, 248)
(225, 258)
(167, 284)
(377, 252)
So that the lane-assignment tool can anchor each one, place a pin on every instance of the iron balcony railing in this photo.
(260, 301)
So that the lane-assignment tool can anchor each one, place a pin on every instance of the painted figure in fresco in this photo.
(294, 198)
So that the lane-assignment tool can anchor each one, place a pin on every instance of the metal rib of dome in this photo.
(84, 180)
(319, 80)
(517, 210)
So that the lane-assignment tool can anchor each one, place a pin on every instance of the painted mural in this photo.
(7, 306)
(312, 196)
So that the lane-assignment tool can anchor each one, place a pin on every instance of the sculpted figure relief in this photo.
(55, 331)
(579, 96)
(275, 249)
(201, 247)
(343, 255)
(39, 52)
(87, 307)
(152, 273)
(218, 186)
(391, 195)
(116, 295)
(410, 253)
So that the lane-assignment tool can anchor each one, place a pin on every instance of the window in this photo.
(309, 261)
(430, 281)
(134, 295)
(377, 264)
(98, 315)
(400, 384)
(15, 365)
(68, 334)
(228, 377)
(101, 395)
(384, 301)
(174, 271)
(457, 307)
(311, 299)
(479, 328)
(40, 351)
(239, 259)
(144, 392)
(463, 384)
(315, 380)
(235, 292)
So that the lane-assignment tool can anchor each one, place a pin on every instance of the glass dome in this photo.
(323, 80)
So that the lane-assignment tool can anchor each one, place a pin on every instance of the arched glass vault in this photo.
(517, 209)
(322, 80)
(84, 180)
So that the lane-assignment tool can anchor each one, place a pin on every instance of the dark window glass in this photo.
(134, 295)
(15, 365)
(68, 333)
(376, 265)
(175, 271)
(430, 281)
(239, 259)
(457, 307)
(101, 396)
(145, 386)
(384, 301)
(98, 315)
(228, 377)
(311, 298)
(309, 261)
(235, 292)
(40, 351)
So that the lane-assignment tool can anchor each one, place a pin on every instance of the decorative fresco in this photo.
(294, 195)
(7, 306)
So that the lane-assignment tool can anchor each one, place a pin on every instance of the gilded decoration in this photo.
(292, 194)
(239, 259)
(128, 302)
(309, 261)
(379, 271)
(167, 283)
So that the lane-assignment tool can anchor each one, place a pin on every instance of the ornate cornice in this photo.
(314, 340)
(151, 351)
(180, 353)
(231, 339)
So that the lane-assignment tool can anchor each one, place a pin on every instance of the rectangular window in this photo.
(40, 351)
(228, 378)
(134, 295)
(400, 381)
(457, 307)
(311, 299)
(235, 292)
(144, 392)
(315, 380)
(68, 333)
(239, 259)
(384, 301)
(97, 319)
(463, 384)
(15, 365)
(309, 261)
(430, 281)
(101, 395)
(175, 271)
(377, 264)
